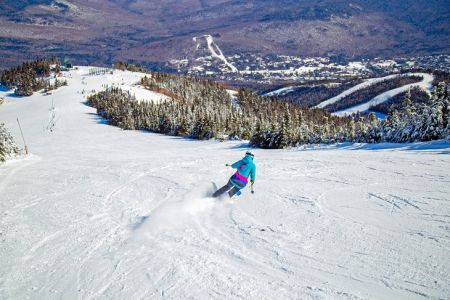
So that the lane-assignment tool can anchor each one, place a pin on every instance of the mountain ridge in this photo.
(155, 32)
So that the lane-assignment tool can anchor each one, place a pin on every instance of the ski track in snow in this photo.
(96, 212)
(424, 84)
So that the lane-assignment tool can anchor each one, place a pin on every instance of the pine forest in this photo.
(202, 109)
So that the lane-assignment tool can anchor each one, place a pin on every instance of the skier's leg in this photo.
(233, 191)
(222, 190)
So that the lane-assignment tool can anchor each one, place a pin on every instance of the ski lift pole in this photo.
(23, 138)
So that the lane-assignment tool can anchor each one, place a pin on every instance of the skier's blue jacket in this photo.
(245, 168)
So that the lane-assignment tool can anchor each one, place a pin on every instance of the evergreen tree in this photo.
(433, 121)
(407, 104)
(28, 77)
(7, 145)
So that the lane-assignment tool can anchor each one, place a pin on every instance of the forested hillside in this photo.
(29, 77)
(154, 32)
(203, 110)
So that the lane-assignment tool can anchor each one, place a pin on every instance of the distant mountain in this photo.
(150, 31)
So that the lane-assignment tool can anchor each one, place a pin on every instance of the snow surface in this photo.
(280, 91)
(357, 65)
(426, 82)
(96, 212)
(125, 80)
(143, 94)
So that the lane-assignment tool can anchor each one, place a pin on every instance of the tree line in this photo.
(29, 77)
(204, 110)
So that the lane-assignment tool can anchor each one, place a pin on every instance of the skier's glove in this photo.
(252, 182)
(227, 165)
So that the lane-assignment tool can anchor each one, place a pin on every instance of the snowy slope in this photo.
(281, 91)
(100, 213)
(142, 94)
(127, 81)
(425, 83)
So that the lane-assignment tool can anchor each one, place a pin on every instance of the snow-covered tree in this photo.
(432, 127)
(28, 77)
(419, 122)
(8, 147)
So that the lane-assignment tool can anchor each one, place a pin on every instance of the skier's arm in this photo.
(236, 164)
(253, 174)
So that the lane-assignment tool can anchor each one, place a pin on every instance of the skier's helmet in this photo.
(250, 154)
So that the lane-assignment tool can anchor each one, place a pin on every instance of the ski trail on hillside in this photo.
(281, 91)
(197, 44)
(216, 51)
(425, 84)
(357, 87)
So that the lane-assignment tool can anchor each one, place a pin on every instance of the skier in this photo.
(245, 168)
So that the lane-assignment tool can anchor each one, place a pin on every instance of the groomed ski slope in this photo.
(425, 84)
(100, 213)
(280, 91)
